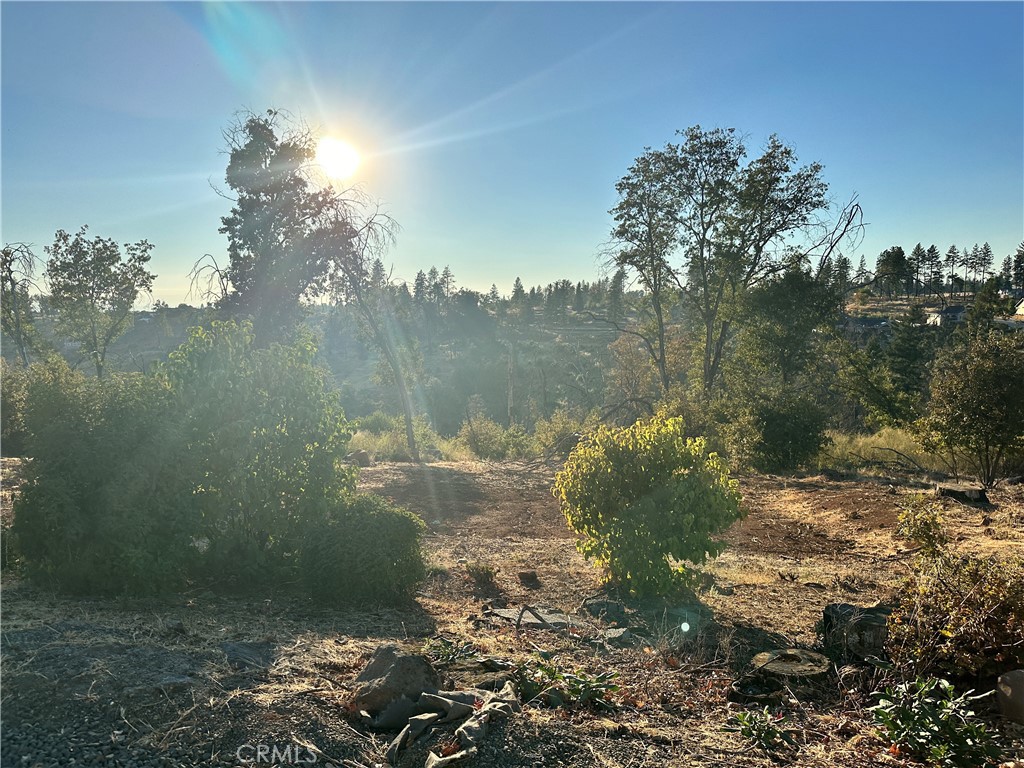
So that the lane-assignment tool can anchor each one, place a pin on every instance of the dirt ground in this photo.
(148, 682)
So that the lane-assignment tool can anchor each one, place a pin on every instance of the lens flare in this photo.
(338, 158)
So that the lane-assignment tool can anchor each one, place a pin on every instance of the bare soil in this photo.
(130, 682)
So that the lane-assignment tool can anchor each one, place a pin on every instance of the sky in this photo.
(494, 133)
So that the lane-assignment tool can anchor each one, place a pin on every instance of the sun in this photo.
(338, 158)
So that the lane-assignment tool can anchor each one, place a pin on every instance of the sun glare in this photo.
(338, 158)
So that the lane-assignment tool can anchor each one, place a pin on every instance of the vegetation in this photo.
(645, 498)
(924, 719)
(959, 615)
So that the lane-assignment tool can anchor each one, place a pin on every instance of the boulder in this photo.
(860, 631)
(1010, 694)
(611, 611)
(359, 458)
(391, 675)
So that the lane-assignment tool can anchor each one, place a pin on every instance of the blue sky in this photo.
(495, 133)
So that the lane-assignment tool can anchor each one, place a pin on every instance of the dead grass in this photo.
(804, 543)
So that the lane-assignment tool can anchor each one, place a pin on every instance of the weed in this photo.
(762, 729)
(924, 719)
(542, 682)
(444, 651)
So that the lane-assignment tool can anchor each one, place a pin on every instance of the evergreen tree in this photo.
(518, 293)
(933, 275)
(952, 262)
(986, 261)
(419, 290)
(917, 265)
(1018, 268)
(616, 295)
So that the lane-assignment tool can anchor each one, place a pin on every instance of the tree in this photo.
(646, 233)
(892, 269)
(518, 293)
(734, 219)
(952, 262)
(1018, 268)
(93, 289)
(17, 270)
(916, 267)
(977, 402)
(277, 254)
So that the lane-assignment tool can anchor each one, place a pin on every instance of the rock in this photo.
(529, 579)
(861, 631)
(359, 458)
(791, 662)
(619, 637)
(173, 684)
(967, 494)
(611, 611)
(536, 618)
(1010, 694)
(248, 655)
(391, 675)
(175, 627)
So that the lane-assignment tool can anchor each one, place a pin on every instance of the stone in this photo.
(620, 637)
(790, 663)
(173, 684)
(611, 611)
(1010, 695)
(536, 618)
(248, 655)
(392, 674)
(529, 579)
(860, 631)
(359, 458)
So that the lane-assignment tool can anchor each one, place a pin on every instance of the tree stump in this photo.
(966, 494)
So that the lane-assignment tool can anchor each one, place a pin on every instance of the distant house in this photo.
(948, 315)
(1020, 308)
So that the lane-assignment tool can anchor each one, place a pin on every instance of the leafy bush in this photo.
(267, 438)
(958, 615)
(643, 496)
(559, 434)
(490, 441)
(976, 407)
(106, 506)
(14, 380)
(778, 434)
(368, 550)
(925, 720)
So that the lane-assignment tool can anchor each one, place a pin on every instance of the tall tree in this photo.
(1018, 268)
(952, 262)
(892, 269)
(277, 255)
(17, 270)
(916, 266)
(93, 289)
(646, 234)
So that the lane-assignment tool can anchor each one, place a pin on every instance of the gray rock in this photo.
(620, 637)
(248, 655)
(359, 458)
(611, 611)
(536, 618)
(1010, 694)
(173, 684)
(392, 674)
(967, 494)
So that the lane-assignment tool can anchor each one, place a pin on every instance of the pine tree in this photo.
(985, 261)
(952, 262)
(616, 293)
(518, 293)
(1018, 268)
(917, 262)
(934, 271)
(419, 290)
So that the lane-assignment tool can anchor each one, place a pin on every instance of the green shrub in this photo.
(644, 496)
(490, 441)
(925, 720)
(267, 437)
(106, 506)
(763, 730)
(780, 434)
(14, 380)
(368, 550)
(378, 422)
(558, 435)
(385, 440)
